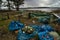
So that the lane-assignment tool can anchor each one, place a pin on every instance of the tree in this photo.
(8, 16)
(17, 3)
(8, 5)
(0, 4)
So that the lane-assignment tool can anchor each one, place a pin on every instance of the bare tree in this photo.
(17, 3)
(8, 16)
(0, 4)
(8, 5)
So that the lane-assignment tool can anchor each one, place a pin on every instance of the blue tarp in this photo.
(45, 36)
(25, 36)
(40, 30)
(47, 27)
(36, 28)
(15, 25)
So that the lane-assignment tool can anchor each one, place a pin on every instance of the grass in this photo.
(5, 23)
(0, 17)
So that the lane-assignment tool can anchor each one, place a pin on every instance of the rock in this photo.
(55, 35)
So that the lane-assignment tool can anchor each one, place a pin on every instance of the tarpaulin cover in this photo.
(15, 25)
(36, 28)
(47, 27)
(42, 20)
(25, 36)
(40, 30)
(45, 36)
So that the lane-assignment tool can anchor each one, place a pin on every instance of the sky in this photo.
(40, 3)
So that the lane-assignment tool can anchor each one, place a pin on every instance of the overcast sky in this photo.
(41, 3)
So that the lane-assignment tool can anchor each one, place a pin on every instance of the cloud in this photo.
(3, 0)
(41, 3)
